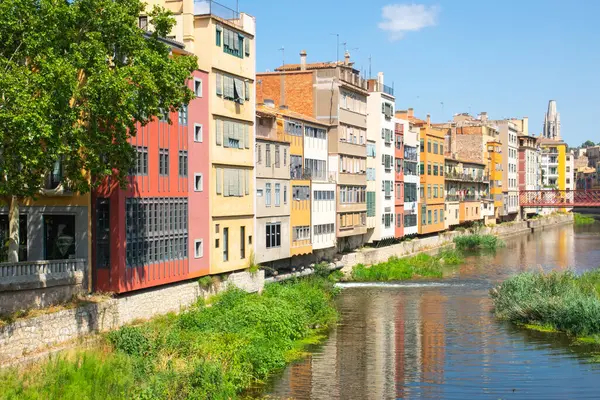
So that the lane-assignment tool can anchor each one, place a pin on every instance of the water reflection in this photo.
(443, 342)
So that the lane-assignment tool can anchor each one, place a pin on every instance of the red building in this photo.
(399, 178)
(154, 232)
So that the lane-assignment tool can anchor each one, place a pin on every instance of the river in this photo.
(439, 339)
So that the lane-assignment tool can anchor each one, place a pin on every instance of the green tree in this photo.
(75, 78)
(588, 143)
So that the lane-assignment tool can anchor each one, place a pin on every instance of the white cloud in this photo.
(401, 18)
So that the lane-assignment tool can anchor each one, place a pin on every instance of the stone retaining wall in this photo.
(22, 339)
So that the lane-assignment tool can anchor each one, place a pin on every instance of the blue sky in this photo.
(505, 57)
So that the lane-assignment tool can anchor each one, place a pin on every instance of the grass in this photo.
(399, 269)
(478, 242)
(206, 352)
(580, 219)
(559, 301)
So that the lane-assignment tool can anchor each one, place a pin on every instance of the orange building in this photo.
(431, 199)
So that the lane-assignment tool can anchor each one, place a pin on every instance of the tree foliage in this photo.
(588, 143)
(75, 78)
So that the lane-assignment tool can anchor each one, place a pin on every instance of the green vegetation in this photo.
(478, 242)
(399, 269)
(580, 219)
(205, 282)
(559, 301)
(204, 353)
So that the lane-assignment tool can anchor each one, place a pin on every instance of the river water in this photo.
(439, 339)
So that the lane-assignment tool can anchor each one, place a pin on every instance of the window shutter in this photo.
(226, 178)
(218, 129)
(247, 90)
(383, 186)
(237, 134)
(219, 179)
(383, 107)
(247, 173)
(219, 79)
(383, 133)
(247, 136)
(247, 46)
(226, 133)
(383, 159)
(240, 182)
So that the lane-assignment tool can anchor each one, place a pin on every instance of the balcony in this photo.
(464, 177)
(209, 7)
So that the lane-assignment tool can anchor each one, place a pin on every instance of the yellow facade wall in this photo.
(235, 261)
(431, 203)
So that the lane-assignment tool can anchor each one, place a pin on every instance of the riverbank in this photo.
(554, 302)
(204, 352)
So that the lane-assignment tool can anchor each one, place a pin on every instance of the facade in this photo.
(570, 171)
(334, 94)
(431, 195)
(510, 148)
(399, 194)
(593, 155)
(156, 231)
(467, 184)
(381, 132)
(224, 41)
(530, 177)
(411, 175)
(494, 149)
(554, 165)
(273, 232)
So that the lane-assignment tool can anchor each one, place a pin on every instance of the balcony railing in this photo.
(461, 176)
(353, 79)
(34, 269)
(209, 7)
(467, 197)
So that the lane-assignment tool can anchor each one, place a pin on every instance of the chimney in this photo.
(347, 58)
(483, 116)
(428, 120)
(411, 113)
(526, 126)
(303, 60)
(380, 78)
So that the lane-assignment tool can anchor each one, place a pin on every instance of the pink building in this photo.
(156, 231)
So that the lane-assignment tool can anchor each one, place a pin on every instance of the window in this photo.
(435, 169)
(163, 162)
(422, 168)
(143, 22)
(102, 234)
(316, 133)
(242, 242)
(422, 145)
(183, 163)
(435, 148)
(59, 237)
(316, 169)
(429, 146)
(233, 43)
(277, 195)
(410, 220)
(387, 109)
(198, 183)
(293, 128)
(323, 229)
(301, 192)
(218, 35)
(398, 165)
(370, 204)
(353, 194)
(231, 88)
(428, 168)
(268, 155)
(277, 156)
(422, 192)
(236, 182)
(225, 244)
(429, 191)
(268, 195)
(284, 156)
(435, 215)
(258, 148)
(198, 87)
(273, 235)
(423, 215)
(301, 233)
(183, 115)
(441, 148)
(398, 220)
(284, 194)
(429, 217)
(198, 248)
(435, 191)
(234, 134)
(198, 135)
(295, 167)
(141, 162)
(410, 192)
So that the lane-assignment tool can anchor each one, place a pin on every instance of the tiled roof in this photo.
(273, 112)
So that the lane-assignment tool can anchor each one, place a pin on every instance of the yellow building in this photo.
(494, 149)
(554, 164)
(432, 179)
(224, 41)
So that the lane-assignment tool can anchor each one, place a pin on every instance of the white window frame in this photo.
(201, 176)
(198, 80)
(196, 253)
(198, 138)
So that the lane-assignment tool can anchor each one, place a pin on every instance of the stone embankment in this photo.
(26, 339)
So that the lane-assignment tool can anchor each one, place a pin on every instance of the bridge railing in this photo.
(559, 198)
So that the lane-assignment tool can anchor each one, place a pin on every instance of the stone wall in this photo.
(22, 339)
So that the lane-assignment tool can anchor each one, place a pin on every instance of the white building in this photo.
(509, 132)
(323, 188)
(412, 156)
(570, 171)
(380, 131)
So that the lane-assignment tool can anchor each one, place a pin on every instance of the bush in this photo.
(560, 300)
(399, 269)
(478, 242)
(580, 219)
(204, 353)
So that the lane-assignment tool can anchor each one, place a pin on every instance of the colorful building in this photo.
(530, 177)
(335, 94)
(155, 231)
(381, 129)
(411, 184)
(432, 163)
(494, 149)
(399, 164)
(467, 189)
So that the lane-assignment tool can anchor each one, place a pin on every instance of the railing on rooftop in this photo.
(210, 7)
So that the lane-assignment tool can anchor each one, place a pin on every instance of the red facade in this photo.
(142, 234)
(399, 179)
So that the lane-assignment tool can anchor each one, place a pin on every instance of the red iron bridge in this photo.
(559, 198)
